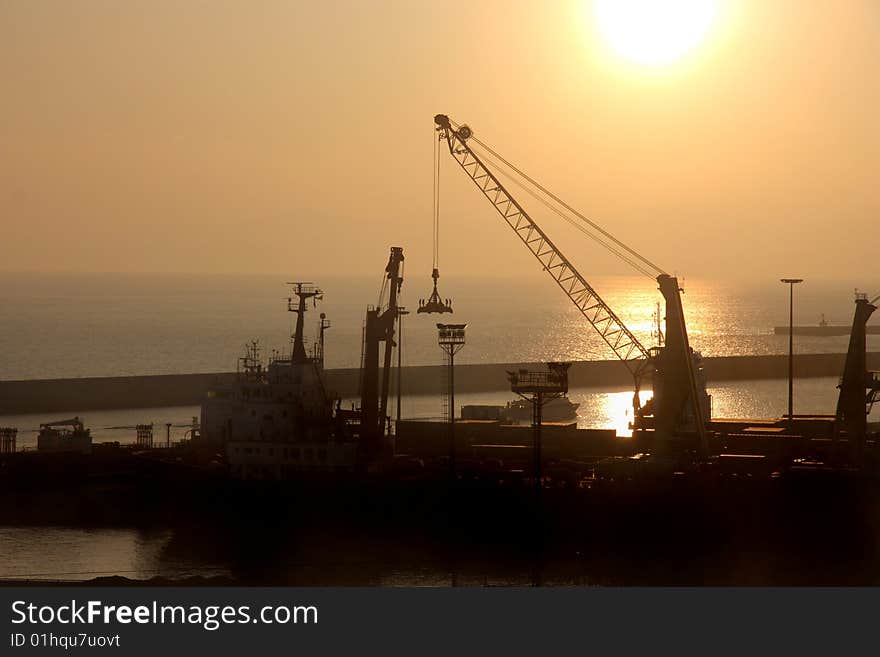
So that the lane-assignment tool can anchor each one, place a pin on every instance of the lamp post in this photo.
(451, 338)
(539, 388)
(791, 283)
(401, 311)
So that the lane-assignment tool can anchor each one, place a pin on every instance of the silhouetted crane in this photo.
(676, 377)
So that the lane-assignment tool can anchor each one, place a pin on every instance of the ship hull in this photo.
(823, 331)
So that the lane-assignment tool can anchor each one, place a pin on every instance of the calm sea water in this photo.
(102, 325)
(55, 326)
(68, 554)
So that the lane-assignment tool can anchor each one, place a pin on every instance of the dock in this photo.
(108, 393)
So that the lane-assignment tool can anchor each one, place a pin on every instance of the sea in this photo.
(55, 325)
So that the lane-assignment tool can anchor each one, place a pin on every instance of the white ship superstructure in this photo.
(278, 421)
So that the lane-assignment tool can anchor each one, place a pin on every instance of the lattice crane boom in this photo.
(634, 355)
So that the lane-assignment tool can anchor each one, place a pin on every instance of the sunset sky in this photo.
(296, 137)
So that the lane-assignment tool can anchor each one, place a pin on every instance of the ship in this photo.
(280, 421)
(823, 329)
(520, 410)
(556, 410)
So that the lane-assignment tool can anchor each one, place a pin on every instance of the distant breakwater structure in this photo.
(109, 393)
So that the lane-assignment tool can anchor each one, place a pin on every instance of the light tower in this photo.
(539, 387)
(791, 282)
(450, 337)
(401, 311)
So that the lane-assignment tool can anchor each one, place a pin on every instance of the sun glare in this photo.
(654, 32)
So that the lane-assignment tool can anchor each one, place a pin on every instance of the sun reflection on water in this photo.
(607, 410)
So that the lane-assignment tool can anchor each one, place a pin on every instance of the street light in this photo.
(401, 311)
(791, 283)
(451, 339)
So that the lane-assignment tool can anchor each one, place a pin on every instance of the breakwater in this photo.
(104, 393)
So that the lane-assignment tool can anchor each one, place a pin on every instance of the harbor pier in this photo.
(108, 393)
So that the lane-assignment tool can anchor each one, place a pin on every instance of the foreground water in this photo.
(70, 554)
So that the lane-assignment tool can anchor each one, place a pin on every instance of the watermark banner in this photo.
(322, 621)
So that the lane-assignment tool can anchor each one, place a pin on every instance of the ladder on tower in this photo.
(444, 393)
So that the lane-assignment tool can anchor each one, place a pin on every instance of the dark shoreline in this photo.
(107, 393)
(733, 532)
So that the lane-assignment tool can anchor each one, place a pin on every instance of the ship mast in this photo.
(303, 291)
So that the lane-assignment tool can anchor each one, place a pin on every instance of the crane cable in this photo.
(571, 220)
(383, 286)
(565, 205)
(653, 268)
(436, 209)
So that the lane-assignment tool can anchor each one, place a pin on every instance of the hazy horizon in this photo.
(293, 139)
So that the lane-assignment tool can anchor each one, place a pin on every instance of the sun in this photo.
(654, 32)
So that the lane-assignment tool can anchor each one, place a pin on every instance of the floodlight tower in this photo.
(791, 282)
(539, 388)
(450, 337)
(401, 311)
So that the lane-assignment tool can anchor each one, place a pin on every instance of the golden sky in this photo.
(294, 137)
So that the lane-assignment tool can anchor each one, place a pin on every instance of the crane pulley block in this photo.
(434, 303)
